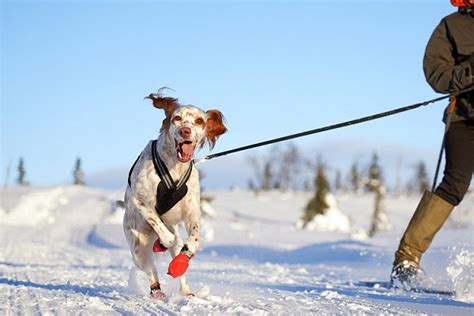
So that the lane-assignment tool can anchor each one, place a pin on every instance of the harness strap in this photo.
(131, 170)
(160, 167)
(168, 193)
(164, 173)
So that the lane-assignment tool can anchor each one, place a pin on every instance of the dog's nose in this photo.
(185, 132)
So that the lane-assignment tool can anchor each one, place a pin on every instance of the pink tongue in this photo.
(187, 150)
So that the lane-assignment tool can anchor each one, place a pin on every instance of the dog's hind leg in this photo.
(140, 246)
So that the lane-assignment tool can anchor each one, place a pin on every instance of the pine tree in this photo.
(78, 173)
(355, 178)
(317, 204)
(21, 180)
(374, 168)
(375, 184)
(263, 173)
(338, 181)
(422, 177)
(267, 183)
(287, 167)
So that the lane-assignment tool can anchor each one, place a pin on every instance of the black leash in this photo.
(449, 116)
(335, 126)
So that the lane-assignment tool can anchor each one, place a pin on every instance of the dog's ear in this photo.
(214, 126)
(168, 104)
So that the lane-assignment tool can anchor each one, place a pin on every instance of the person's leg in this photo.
(434, 208)
(459, 162)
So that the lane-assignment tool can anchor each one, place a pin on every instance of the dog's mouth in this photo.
(185, 150)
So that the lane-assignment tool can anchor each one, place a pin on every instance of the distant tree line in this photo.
(21, 179)
(286, 169)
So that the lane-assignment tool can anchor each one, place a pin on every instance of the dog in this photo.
(164, 190)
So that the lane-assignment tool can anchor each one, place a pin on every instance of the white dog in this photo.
(164, 190)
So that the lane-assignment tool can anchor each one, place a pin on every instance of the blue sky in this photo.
(74, 74)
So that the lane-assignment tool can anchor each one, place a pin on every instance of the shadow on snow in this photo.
(90, 291)
(340, 251)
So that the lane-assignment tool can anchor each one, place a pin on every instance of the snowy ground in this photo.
(62, 251)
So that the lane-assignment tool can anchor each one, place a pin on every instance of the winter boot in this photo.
(405, 275)
(429, 216)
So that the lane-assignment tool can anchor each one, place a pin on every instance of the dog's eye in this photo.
(199, 121)
(177, 119)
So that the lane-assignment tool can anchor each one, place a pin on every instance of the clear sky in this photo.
(74, 74)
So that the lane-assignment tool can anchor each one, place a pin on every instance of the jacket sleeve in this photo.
(439, 64)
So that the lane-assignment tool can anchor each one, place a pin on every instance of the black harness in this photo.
(168, 192)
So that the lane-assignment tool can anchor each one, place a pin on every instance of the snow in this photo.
(62, 251)
(332, 220)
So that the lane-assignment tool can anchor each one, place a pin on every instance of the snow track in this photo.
(71, 258)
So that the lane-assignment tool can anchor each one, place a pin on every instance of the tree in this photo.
(355, 178)
(288, 162)
(338, 182)
(78, 173)
(317, 204)
(375, 172)
(375, 184)
(263, 173)
(275, 171)
(422, 177)
(21, 180)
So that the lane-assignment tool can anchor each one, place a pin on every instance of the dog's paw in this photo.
(157, 295)
(186, 291)
(158, 246)
(168, 241)
(178, 265)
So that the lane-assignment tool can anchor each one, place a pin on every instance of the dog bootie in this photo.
(158, 247)
(180, 263)
(155, 291)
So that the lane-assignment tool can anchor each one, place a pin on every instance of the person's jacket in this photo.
(446, 62)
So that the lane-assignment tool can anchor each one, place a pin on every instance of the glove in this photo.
(180, 263)
(158, 247)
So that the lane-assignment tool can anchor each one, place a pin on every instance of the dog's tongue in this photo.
(186, 151)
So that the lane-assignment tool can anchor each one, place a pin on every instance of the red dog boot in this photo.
(155, 291)
(180, 263)
(158, 247)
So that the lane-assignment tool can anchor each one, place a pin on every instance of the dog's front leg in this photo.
(174, 251)
(192, 227)
(166, 237)
(180, 262)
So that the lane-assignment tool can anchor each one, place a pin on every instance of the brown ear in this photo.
(166, 103)
(214, 126)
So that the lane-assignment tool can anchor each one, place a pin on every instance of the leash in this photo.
(334, 126)
(451, 109)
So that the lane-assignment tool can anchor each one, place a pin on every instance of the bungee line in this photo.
(331, 127)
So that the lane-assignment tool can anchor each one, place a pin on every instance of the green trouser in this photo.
(429, 216)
